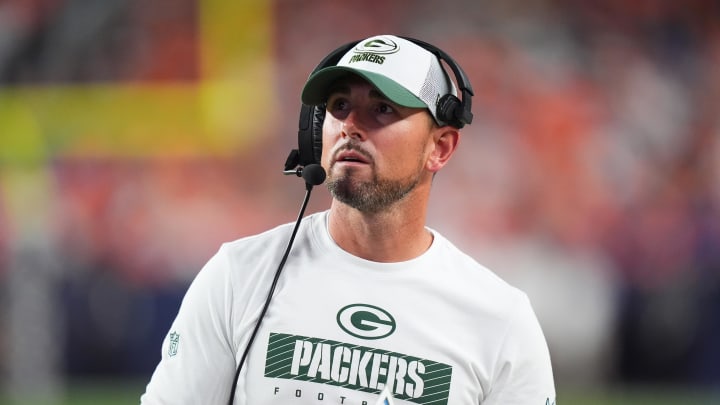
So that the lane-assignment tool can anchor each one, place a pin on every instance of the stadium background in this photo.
(137, 136)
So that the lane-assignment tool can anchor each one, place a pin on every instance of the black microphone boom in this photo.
(314, 175)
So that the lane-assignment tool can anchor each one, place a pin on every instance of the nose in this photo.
(352, 125)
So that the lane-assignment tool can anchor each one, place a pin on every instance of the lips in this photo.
(351, 156)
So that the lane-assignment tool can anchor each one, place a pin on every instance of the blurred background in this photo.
(137, 136)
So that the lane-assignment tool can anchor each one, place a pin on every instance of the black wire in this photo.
(270, 294)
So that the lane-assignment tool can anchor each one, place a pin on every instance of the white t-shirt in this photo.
(437, 329)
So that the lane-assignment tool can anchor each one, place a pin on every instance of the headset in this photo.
(450, 109)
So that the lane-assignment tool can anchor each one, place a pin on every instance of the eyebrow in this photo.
(344, 89)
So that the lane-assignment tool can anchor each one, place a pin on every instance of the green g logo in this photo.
(366, 321)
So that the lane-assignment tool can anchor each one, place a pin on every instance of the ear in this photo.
(445, 141)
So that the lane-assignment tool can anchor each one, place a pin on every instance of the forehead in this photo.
(345, 83)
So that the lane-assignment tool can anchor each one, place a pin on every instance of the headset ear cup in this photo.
(318, 118)
(310, 134)
(306, 145)
(447, 110)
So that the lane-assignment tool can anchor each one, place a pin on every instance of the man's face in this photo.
(374, 151)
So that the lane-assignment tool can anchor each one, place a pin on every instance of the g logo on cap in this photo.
(377, 45)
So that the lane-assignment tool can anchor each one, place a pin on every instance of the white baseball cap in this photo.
(406, 73)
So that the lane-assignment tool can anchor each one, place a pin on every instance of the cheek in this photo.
(406, 147)
(399, 157)
(329, 137)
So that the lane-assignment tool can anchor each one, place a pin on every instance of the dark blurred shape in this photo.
(115, 328)
(96, 41)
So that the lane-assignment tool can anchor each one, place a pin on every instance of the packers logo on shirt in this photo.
(358, 368)
(366, 321)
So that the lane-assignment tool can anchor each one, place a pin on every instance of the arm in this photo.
(523, 371)
(198, 357)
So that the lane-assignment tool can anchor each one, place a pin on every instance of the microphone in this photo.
(314, 175)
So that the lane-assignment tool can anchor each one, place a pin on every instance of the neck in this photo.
(394, 235)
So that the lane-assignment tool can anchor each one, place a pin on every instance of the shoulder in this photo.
(260, 241)
(522, 370)
(241, 266)
(479, 293)
(267, 247)
(277, 236)
(456, 263)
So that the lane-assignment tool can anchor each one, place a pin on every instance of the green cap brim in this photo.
(316, 88)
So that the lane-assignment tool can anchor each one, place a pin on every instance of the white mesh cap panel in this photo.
(437, 84)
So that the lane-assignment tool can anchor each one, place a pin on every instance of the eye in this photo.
(384, 108)
(337, 104)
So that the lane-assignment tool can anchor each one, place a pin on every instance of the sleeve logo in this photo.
(174, 343)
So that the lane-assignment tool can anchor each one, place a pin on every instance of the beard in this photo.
(370, 196)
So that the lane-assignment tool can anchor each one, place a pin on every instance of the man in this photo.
(370, 300)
